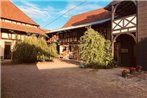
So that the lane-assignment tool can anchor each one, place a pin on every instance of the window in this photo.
(5, 35)
(23, 24)
(23, 36)
(14, 22)
(13, 36)
(3, 20)
(8, 21)
(28, 25)
(35, 26)
(18, 23)
(18, 36)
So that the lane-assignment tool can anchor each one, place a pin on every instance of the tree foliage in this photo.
(95, 50)
(33, 49)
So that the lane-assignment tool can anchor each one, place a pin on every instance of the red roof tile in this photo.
(17, 27)
(10, 11)
(88, 17)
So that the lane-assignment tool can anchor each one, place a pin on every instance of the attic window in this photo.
(23, 24)
(3, 20)
(35, 26)
(18, 23)
(28, 25)
(14, 22)
(8, 21)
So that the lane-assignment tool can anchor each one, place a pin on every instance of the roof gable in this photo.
(91, 16)
(10, 11)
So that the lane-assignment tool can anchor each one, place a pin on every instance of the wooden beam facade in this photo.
(128, 24)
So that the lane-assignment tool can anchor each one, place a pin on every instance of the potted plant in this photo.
(132, 70)
(125, 73)
(82, 64)
(138, 68)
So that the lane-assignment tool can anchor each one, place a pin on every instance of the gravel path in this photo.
(61, 80)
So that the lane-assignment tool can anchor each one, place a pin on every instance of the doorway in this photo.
(7, 50)
(124, 50)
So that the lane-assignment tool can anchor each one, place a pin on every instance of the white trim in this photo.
(18, 23)
(124, 30)
(132, 29)
(114, 32)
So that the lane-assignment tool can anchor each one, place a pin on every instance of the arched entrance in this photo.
(124, 32)
(124, 50)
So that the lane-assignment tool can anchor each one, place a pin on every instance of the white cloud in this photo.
(35, 11)
(78, 9)
(49, 13)
(45, 14)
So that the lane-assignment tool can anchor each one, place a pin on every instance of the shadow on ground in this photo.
(58, 79)
(70, 61)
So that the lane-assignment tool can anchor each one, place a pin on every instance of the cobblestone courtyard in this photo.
(60, 79)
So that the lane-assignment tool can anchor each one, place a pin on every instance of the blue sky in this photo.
(44, 12)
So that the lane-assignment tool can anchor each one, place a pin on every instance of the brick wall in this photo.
(142, 34)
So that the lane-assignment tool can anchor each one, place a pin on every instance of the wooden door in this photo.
(124, 50)
(127, 52)
(7, 50)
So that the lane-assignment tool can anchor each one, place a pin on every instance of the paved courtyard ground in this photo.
(62, 79)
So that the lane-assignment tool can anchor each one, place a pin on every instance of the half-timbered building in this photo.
(126, 28)
(15, 26)
(68, 37)
(129, 31)
(124, 31)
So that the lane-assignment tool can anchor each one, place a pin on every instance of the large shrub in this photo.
(95, 49)
(33, 49)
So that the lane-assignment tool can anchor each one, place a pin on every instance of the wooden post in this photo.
(112, 18)
(114, 7)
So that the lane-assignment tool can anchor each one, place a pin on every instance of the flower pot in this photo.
(139, 68)
(132, 70)
(82, 66)
(124, 73)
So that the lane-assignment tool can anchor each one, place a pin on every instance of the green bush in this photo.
(95, 50)
(33, 49)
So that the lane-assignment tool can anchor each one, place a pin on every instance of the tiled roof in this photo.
(91, 16)
(17, 27)
(10, 11)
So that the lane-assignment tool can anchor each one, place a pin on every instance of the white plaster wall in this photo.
(1, 47)
(2, 42)
(61, 49)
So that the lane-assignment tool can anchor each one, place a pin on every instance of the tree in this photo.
(94, 49)
(33, 49)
